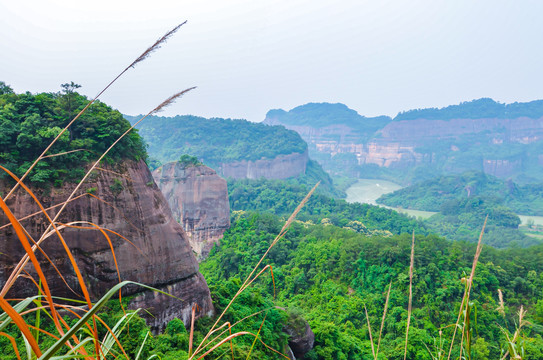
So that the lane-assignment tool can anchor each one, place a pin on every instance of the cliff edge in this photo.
(198, 198)
(130, 204)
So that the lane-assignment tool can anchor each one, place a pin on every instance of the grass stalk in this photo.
(369, 331)
(140, 58)
(383, 319)
(410, 301)
(250, 278)
(465, 298)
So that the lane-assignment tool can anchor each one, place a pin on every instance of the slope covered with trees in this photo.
(319, 115)
(216, 140)
(476, 109)
(329, 275)
(431, 195)
(29, 122)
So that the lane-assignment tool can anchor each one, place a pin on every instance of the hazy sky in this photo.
(246, 57)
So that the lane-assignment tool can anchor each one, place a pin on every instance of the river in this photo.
(368, 190)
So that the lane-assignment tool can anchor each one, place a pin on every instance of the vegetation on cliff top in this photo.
(477, 109)
(29, 122)
(215, 141)
(318, 115)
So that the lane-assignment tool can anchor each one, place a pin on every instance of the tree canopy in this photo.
(29, 122)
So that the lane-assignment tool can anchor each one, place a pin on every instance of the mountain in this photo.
(432, 195)
(119, 196)
(198, 198)
(503, 140)
(237, 149)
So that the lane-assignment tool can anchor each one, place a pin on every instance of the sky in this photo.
(246, 57)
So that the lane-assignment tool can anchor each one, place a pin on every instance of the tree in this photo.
(5, 89)
(67, 101)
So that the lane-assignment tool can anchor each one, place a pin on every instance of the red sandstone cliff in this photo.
(137, 210)
(398, 144)
(198, 198)
(280, 167)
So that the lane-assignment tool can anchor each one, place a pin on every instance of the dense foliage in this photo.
(318, 115)
(281, 198)
(463, 220)
(477, 109)
(430, 195)
(29, 122)
(214, 141)
(329, 274)
(189, 161)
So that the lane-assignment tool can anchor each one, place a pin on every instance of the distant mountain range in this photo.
(504, 140)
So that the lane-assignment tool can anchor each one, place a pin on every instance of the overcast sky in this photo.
(247, 57)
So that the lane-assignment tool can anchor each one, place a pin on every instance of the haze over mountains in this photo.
(503, 140)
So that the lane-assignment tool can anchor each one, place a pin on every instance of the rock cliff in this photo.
(160, 254)
(280, 167)
(198, 198)
(504, 146)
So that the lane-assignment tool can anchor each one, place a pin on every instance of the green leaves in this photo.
(29, 122)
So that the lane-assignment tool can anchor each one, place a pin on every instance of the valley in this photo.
(367, 191)
(219, 193)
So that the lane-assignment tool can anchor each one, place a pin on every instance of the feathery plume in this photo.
(156, 45)
(170, 100)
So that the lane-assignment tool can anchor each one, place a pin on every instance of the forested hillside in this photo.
(281, 198)
(431, 195)
(321, 115)
(328, 275)
(477, 109)
(29, 122)
(214, 141)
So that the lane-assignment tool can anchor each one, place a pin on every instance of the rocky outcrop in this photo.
(501, 168)
(198, 198)
(280, 167)
(301, 337)
(157, 252)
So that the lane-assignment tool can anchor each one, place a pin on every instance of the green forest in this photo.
(329, 274)
(29, 122)
(431, 195)
(477, 109)
(463, 201)
(318, 115)
(214, 141)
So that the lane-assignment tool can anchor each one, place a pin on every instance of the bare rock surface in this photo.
(198, 198)
(280, 167)
(398, 144)
(301, 337)
(157, 252)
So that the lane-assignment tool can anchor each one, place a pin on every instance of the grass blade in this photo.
(410, 294)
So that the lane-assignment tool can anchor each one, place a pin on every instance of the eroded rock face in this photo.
(301, 337)
(406, 143)
(198, 198)
(280, 167)
(159, 254)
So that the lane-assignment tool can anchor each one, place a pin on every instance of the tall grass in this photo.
(81, 339)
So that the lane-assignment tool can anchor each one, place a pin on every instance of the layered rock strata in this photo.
(156, 253)
(280, 167)
(407, 143)
(198, 198)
